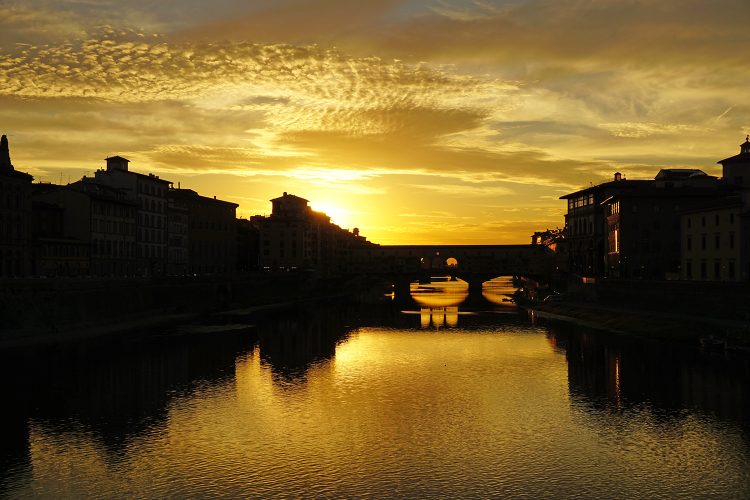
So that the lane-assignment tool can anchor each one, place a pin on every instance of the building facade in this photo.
(15, 217)
(714, 242)
(643, 224)
(248, 244)
(62, 231)
(294, 237)
(212, 232)
(177, 236)
(585, 225)
(149, 192)
(113, 228)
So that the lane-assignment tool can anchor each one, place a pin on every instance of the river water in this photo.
(443, 396)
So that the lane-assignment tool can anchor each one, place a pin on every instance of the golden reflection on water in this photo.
(499, 291)
(503, 409)
(470, 413)
(441, 292)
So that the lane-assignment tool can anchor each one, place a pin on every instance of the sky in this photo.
(418, 121)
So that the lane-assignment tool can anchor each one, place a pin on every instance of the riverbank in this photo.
(711, 332)
(42, 312)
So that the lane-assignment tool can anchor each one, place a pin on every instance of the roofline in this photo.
(290, 196)
(735, 158)
(624, 182)
(185, 193)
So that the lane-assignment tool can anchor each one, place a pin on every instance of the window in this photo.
(731, 240)
(731, 269)
(716, 219)
(689, 269)
(703, 242)
(731, 218)
(689, 222)
(717, 240)
(703, 269)
(689, 243)
(703, 221)
(717, 270)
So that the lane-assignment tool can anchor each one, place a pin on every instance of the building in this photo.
(290, 237)
(585, 224)
(248, 243)
(177, 236)
(15, 217)
(296, 237)
(112, 222)
(149, 192)
(714, 241)
(212, 232)
(736, 171)
(643, 225)
(61, 231)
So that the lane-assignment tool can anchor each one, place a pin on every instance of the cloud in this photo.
(299, 21)
(638, 130)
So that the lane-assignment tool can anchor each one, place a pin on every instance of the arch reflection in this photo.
(439, 301)
(500, 291)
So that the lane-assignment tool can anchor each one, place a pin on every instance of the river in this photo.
(445, 396)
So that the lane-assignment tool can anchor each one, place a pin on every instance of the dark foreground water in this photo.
(431, 399)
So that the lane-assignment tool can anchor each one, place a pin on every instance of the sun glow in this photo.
(338, 215)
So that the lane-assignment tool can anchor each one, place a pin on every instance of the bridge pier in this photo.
(475, 287)
(402, 289)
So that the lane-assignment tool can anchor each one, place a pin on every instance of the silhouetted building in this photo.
(643, 224)
(177, 236)
(736, 171)
(212, 232)
(15, 216)
(296, 237)
(62, 231)
(290, 236)
(585, 224)
(716, 234)
(112, 222)
(150, 194)
(714, 241)
(248, 243)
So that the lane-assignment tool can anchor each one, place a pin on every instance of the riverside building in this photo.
(149, 192)
(211, 233)
(15, 216)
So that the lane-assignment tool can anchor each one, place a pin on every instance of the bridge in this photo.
(474, 264)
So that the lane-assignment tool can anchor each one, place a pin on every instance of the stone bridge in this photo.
(474, 264)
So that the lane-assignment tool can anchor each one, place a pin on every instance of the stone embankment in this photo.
(47, 310)
(629, 319)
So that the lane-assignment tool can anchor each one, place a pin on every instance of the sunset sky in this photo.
(419, 121)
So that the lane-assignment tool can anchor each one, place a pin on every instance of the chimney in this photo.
(618, 176)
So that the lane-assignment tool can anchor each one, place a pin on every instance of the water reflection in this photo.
(440, 292)
(608, 373)
(355, 400)
(292, 341)
(500, 291)
(442, 299)
(112, 390)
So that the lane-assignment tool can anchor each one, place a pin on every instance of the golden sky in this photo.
(419, 121)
